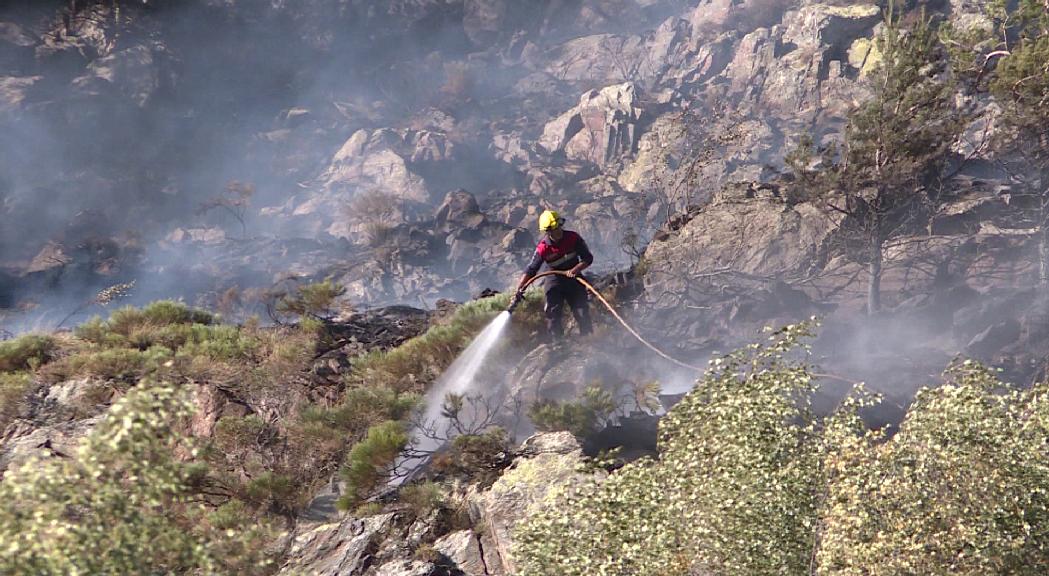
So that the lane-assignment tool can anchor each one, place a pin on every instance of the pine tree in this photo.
(896, 144)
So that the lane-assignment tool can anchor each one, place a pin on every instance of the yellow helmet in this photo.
(549, 220)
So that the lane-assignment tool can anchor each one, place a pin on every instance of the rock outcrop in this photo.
(604, 126)
(544, 466)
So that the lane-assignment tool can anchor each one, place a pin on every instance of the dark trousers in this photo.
(561, 291)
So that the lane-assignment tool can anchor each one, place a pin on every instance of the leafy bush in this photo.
(116, 505)
(962, 488)
(26, 352)
(159, 313)
(369, 461)
(582, 417)
(735, 490)
(276, 491)
(749, 482)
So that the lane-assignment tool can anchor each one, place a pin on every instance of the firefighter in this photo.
(566, 251)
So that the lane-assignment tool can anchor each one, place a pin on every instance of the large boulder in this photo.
(602, 127)
(547, 465)
(345, 548)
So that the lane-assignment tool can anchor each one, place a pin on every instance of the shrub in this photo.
(26, 352)
(962, 488)
(118, 364)
(114, 506)
(13, 387)
(477, 458)
(582, 417)
(278, 492)
(165, 323)
(360, 409)
(223, 342)
(369, 461)
(368, 509)
(735, 490)
(422, 499)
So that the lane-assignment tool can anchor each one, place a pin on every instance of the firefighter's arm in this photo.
(586, 258)
(533, 268)
(524, 280)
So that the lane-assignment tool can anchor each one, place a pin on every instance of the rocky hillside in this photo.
(403, 147)
(319, 180)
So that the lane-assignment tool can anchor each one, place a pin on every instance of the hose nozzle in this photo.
(515, 302)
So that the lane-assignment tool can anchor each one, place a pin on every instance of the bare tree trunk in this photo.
(874, 262)
(1043, 240)
(1043, 258)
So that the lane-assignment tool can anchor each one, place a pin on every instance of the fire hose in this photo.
(517, 300)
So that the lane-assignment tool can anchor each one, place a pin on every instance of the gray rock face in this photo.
(463, 548)
(406, 568)
(603, 126)
(342, 549)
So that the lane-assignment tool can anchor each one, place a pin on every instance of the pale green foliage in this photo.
(735, 490)
(115, 506)
(422, 498)
(963, 488)
(749, 483)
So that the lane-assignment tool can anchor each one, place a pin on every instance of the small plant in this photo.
(315, 301)
(235, 201)
(114, 506)
(368, 509)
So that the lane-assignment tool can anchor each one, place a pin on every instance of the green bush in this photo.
(222, 342)
(275, 491)
(360, 409)
(26, 352)
(368, 463)
(164, 323)
(749, 482)
(117, 505)
(582, 417)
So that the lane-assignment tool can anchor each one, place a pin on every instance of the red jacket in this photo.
(561, 255)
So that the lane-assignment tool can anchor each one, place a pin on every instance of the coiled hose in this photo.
(611, 310)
